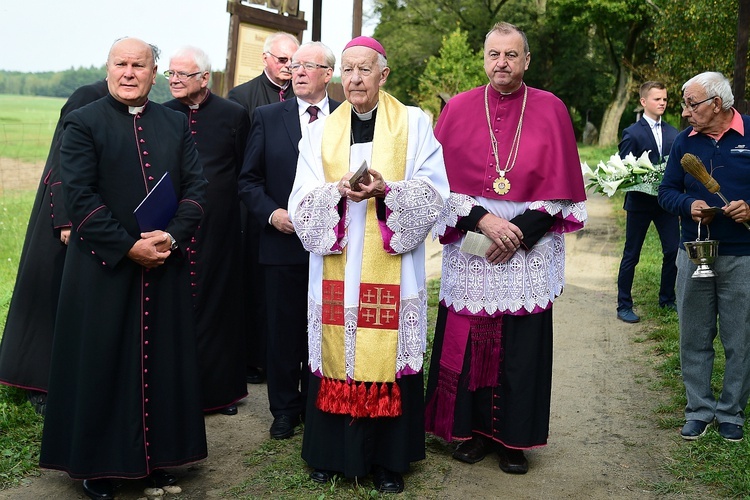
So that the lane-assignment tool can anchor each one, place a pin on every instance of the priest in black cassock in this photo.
(219, 128)
(27, 340)
(124, 397)
(273, 85)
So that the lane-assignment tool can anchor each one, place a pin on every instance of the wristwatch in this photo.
(173, 245)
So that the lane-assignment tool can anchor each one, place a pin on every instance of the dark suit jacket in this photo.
(258, 92)
(636, 139)
(268, 174)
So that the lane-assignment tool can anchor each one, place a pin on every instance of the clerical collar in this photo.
(134, 110)
(365, 116)
(282, 87)
(198, 105)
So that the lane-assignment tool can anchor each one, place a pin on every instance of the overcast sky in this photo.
(54, 35)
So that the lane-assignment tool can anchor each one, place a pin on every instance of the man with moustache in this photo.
(273, 85)
(265, 183)
(124, 398)
(713, 306)
(219, 128)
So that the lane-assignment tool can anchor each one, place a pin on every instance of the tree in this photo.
(711, 26)
(457, 68)
(412, 30)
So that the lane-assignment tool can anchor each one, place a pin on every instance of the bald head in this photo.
(131, 70)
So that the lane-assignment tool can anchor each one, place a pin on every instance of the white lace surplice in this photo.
(414, 203)
(528, 282)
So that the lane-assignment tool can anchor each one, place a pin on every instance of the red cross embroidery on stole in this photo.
(333, 302)
(378, 306)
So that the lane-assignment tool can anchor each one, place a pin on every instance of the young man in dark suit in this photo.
(652, 134)
(265, 184)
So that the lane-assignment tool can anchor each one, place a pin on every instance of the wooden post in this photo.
(317, 8)
(356, 18)
(739, 80)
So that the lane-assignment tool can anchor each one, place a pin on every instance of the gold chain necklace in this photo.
(501, 184)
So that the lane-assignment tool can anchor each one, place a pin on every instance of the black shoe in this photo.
(473, 450)
(283, 426)
(321, 476)
(255, 375)
(38, 400)
(694, 429)
(669, 306)
(386, 481)
(731, 432)
(512, 461)
(628, 316)
(99, 489)
(160, 478)
(229, 410)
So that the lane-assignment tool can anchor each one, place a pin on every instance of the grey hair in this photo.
(197, 55)
(327, 52)
(505, 29)
(274, 37)
(382, 61)
(713, 83)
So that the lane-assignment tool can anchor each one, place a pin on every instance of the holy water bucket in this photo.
(703, 253)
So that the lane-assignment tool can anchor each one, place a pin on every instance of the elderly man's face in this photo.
(131, 71)
(362, 77)
(310, 84)
(278, 59)
(505, 61)
(700, 111)
(187, 82)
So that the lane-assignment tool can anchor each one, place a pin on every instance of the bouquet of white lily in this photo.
(624, 174)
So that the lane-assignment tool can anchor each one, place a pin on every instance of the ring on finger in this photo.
(503, 238)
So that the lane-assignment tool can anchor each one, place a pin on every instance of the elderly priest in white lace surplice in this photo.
(367, 306)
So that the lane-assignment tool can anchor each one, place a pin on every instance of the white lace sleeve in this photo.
(316, 219)
(458, 205)
(415, 206)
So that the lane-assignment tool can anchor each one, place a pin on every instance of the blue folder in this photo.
(158, 207)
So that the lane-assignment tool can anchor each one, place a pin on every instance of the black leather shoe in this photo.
(255, 375)
(386, 481)
(229, 410)
(38, 400)
(321, 476)
(160, 478)
(473, 450)
(512, 461)
(283, 426)
(99, 489)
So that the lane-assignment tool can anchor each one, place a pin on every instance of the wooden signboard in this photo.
(248, 28)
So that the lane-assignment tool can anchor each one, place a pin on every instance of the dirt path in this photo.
(604, 441)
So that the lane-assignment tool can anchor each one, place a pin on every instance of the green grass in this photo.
(711, 461)
(276, 465)
(26, 125)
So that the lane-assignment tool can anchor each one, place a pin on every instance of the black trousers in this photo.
(286, 312)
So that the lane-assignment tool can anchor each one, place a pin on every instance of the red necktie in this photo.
(313, 110)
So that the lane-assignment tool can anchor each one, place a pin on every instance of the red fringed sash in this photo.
(359, 399)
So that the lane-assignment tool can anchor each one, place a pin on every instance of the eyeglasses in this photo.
(694, 105)
(309, 66)
(282, 60)
(180, 75)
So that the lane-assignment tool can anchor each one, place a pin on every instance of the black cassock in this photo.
(219, 128)
(27, 341)
(124, 397)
